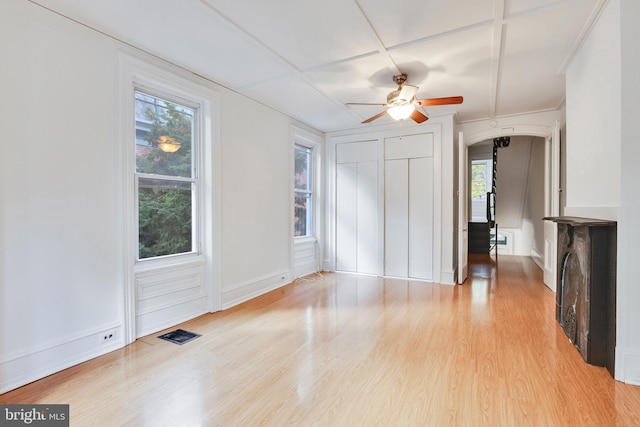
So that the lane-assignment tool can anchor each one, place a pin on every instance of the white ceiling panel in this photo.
(192, 36)
(307, 59)
(553, 31)
(459, 64)
(464, 55)
(366, 79)
(295, 97)
(518, 6)
(531, 66)
(402, 21)
(306, 33)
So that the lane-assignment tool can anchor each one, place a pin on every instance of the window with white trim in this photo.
(166, 176)
(303, 191)
(480, 179)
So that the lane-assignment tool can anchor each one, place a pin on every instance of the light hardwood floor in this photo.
(347, 350)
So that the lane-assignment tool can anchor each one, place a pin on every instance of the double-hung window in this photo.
(303, 204)
(166, 176)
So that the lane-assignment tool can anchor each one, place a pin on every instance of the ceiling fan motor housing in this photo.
(400, 79)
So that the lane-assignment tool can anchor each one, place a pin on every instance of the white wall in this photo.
(520, 198)
(513, 170)
(257, 212)
(593, 122)
(603, 88)
(628, 315)
(534, 203)
(61, 204)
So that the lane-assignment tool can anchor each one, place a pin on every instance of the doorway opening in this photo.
(518, 194)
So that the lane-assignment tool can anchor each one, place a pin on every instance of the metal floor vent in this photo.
(179, 336)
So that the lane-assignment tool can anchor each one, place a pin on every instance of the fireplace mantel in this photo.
(577, 221)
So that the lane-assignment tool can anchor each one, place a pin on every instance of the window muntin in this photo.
(166, 179)
(303, 201)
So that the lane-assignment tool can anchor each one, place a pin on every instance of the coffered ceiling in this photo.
(308, 59)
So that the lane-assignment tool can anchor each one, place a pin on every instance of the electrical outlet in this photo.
(108, 336)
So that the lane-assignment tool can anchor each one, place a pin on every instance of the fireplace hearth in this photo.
(586, 293)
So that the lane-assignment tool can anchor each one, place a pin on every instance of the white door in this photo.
(357, 207)
(396, 218)
(463, 216)
(421, 218)
(552, 206)
(408, 206)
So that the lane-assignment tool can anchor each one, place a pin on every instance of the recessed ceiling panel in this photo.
(187, 33)
(307, 59)
(293, 96)
(459, 64)
(536, 46)
(305, 33)
(366, 79)
(518, 6)
(400, 21)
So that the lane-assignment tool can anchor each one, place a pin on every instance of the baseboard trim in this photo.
(242, 292)
(170, 315)
(305, 269)
(448, 277)
(17, 369)
(538, 259)
(628, 365)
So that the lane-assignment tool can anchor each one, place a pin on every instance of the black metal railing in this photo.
(501, 142)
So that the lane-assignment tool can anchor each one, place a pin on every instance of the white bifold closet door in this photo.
(357, 207)
(408, 216)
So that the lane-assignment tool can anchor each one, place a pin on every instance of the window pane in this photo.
(164, 137)
(164, 215)
(303, 168)
(302, 214)
(479, 180)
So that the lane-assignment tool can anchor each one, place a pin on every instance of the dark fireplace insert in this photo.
(586, 287)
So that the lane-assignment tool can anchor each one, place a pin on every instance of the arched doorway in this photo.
(551, 137)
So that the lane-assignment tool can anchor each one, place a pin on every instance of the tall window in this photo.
(481, 176)
(166, 176)
(303, 212)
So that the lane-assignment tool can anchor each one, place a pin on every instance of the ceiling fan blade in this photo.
(365, 103)
(407, 92)
(439, 101)
(418, 117)
(377, 116)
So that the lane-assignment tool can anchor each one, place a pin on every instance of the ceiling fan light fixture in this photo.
(168, 144)
(402, 102)
(401, 111)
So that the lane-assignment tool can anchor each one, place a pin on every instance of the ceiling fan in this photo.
(401, 103)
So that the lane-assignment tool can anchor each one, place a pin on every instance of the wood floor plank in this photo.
(341, 349)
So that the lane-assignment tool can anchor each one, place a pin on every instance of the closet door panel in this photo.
(421, 218)
(396, 233)
(346, 216)
(367, 218)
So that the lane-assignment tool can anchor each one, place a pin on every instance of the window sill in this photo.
(168, 261)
